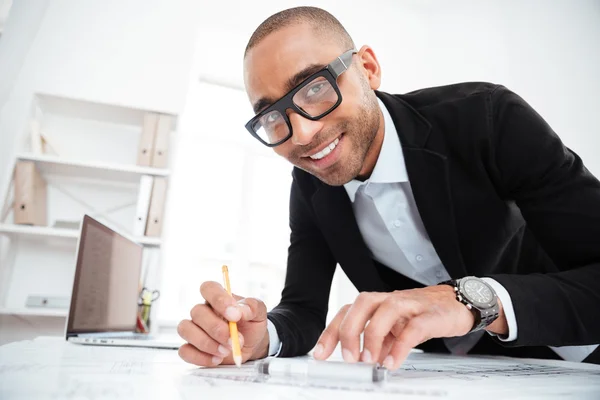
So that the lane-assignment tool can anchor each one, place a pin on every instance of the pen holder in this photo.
(143, 323)
(145, 301)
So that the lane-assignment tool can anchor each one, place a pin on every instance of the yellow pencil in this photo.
(233, 331)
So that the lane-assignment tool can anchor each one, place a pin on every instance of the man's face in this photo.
(348, 131)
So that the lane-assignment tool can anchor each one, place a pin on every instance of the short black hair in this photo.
(322, 21)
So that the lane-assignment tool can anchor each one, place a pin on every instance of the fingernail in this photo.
(217, 360)
(232, 313)
(245, 310)
(366, 356)
(389, 362)
(318, 351)
(348, 357)
(223, 350)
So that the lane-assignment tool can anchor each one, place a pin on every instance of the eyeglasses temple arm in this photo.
(341, 63)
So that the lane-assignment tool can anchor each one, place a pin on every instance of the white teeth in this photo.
(326, 150)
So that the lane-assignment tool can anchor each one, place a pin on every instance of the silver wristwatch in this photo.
(479, 297)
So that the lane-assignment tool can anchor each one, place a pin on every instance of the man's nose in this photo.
(303, 129)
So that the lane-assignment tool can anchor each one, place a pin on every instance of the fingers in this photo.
(329, 338)
(207, 333)
(414, 333)
(391, 315)
(212, 324)
(253, 309)
(201, 348)
(386, 347)
(221, 301)
(192, 355)
(354, 323)
(194, 335)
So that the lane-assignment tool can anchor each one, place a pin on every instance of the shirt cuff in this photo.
(509, 311)
(274, 342)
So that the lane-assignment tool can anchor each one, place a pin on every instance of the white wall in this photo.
(17, 36)
(5, 6)
(130, 52)
(18, 33)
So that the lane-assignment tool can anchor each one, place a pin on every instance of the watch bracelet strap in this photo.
(487, 317)
(482, 319)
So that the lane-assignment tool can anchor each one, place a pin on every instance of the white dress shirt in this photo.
(390, 224)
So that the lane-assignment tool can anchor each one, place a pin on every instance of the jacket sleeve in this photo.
(301, 315)
(560, 201)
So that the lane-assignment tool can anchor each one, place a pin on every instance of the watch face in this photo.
(478, 292)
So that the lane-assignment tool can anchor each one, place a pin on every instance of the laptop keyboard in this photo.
(132, 337)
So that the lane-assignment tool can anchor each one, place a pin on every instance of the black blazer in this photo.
(500, 196)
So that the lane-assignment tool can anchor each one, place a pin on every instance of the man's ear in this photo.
(370, 66)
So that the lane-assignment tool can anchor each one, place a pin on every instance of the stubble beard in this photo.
(358, 140)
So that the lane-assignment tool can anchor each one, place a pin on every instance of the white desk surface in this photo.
(50, 368)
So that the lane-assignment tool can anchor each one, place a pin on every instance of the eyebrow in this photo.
(291, 83)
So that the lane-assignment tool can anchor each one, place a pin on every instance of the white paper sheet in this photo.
(50, 368)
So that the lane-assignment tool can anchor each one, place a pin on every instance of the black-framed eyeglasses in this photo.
(314, 98)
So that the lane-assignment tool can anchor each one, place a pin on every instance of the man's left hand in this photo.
(394, 323)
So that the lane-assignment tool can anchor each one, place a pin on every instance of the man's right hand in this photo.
(207, 333)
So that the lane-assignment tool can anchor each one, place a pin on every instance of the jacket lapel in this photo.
(429, 179)
(334, 211)
(428, 174)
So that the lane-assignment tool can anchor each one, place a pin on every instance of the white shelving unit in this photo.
(62, 233)
(40, 231)
(89, 163)
(34, 312)
(53, 165)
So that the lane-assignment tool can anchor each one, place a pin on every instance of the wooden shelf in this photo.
(52, 165)
(73, 234)
(35, 312)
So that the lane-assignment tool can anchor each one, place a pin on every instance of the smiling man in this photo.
(456, 211)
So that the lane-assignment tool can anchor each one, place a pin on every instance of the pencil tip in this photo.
(238, 361)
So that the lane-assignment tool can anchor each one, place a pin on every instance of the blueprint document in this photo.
(50, 368)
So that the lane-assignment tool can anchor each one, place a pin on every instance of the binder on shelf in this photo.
(143, 205)
(30, 195)
(157, 206)
(161, 142)
(146, 146)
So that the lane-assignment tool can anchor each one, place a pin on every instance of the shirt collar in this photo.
(390, 167)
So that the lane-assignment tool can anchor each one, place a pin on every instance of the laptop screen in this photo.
(107, 281)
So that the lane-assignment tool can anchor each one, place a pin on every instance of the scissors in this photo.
(148, 296)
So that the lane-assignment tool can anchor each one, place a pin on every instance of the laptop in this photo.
(104, 301)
